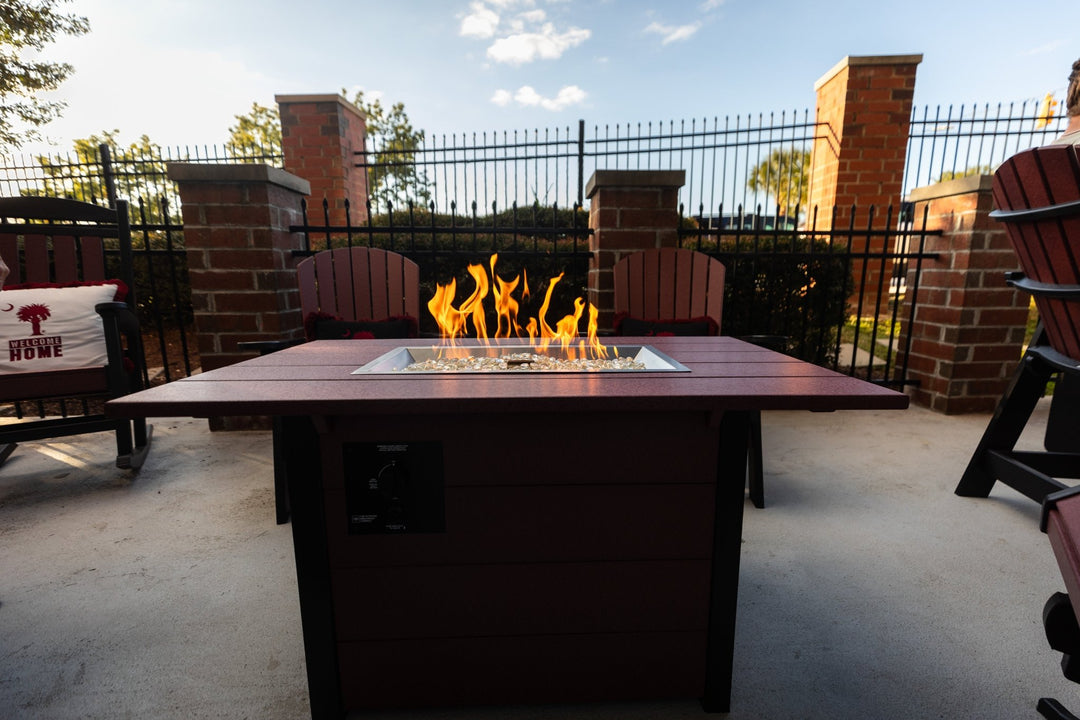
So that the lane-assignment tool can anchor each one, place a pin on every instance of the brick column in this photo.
(320, 137)
(239, 249)
(968, 331)
(864, 114)
(629, 210)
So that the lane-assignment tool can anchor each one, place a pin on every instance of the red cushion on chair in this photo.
(626, 325)
(323, 326)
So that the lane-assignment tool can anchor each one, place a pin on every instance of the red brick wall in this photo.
(320, 136)
(629, 210)
(968, 331)
(239, 249)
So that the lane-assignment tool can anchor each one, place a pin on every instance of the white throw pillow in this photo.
(52, 328)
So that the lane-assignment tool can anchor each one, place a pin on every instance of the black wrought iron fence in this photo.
(753, 160)
(102, 174)
(834, 294)
(740, 160)
(954, 141)
(163, 298)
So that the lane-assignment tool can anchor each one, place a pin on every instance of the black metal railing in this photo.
(840, 296)
(101, 174)
(163, 300)
(742, 160)
(949, 142)
(552, 166)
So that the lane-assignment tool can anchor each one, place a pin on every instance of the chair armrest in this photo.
(1040, 289)
(120, 322)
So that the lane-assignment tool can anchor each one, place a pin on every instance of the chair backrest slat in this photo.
(65, 259)
(378, 287)
(325, 283)
(92, 252)
(36, 259)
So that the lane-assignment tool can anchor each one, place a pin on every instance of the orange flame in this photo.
(453, 321)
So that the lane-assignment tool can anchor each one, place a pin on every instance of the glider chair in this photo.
(1037, 193)
(350, 293)
(70, 335)
(675, 291)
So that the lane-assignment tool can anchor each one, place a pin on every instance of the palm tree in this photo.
(784, 176)
(34, 314)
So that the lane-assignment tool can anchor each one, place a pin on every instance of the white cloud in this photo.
(547, 44)
(370, 96)
(534, 16)
(481, 22)
(711, 5)
(673, 33)
(1044, 49)
(526, 96)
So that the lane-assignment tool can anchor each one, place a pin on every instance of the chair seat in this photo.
(54, 384)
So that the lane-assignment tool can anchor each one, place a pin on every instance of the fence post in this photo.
(320, 138)
(968, 330)
(629, 210)
(581, 163)
(239, 250)
(108, 174)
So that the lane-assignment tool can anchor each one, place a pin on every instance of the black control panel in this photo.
(394, 487)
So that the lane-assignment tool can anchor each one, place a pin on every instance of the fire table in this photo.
(489, 538)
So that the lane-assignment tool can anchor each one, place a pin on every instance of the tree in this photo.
(966, 172)
(26, 27)
(260, 128)
(392, 145)
(391, 163)
(784, 176)
(138, 170)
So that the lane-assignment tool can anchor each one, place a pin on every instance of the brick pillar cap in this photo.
(635, 178)
(236, 173)
(324, 98)
(958, 186)
(856, 60)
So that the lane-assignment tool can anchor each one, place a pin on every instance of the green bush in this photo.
(790, 285)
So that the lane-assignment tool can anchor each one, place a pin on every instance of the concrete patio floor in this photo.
(869, 590)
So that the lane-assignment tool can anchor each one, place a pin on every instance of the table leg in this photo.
(727, 541)
(303, 462)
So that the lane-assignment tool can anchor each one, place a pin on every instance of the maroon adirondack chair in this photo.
(66, 337)
(1037, 193)
(359, 285)
(680, 292)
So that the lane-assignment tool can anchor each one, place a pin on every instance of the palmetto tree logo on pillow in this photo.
(34, 314)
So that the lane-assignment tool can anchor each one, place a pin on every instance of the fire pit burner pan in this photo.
(395, 361)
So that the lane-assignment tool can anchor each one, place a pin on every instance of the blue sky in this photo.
(180, 70)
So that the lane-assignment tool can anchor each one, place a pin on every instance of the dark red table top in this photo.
(316, 379)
